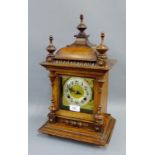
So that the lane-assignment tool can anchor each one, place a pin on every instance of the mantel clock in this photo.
(79, 82)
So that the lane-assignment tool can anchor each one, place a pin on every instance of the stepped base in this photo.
(80, 134)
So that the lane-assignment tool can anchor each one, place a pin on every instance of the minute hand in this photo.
(75, 91)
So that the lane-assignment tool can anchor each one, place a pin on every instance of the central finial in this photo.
(81, 17)
(102, 38)
(81, 27)
(51, 39)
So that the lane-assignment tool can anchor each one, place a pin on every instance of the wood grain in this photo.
(80, 59)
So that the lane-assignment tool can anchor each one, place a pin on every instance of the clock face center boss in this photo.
(79, 82)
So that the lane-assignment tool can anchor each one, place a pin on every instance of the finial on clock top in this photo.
(81, 27)
(102, 49)
(50, 49)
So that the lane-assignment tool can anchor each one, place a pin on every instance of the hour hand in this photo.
(75, 91)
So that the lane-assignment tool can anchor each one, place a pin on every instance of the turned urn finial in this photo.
(50, 49)
(101, 49)
(81, 27)
(102, 38)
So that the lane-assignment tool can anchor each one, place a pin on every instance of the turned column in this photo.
(101, 61)
(99, 114)
(52, 107)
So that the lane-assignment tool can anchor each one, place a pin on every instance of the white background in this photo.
(14, 77)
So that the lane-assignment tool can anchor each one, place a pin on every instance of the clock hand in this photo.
(79, 93)
(75, 91)
(72, 90)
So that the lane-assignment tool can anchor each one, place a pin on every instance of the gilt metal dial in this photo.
(77, 91)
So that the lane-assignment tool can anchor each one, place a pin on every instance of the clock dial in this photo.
(78, 91)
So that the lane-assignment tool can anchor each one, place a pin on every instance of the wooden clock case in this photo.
(80, 59)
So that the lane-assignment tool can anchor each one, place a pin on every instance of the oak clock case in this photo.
(79, 82)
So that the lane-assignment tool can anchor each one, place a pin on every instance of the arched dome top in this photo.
(77, 52)
(81, 49)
